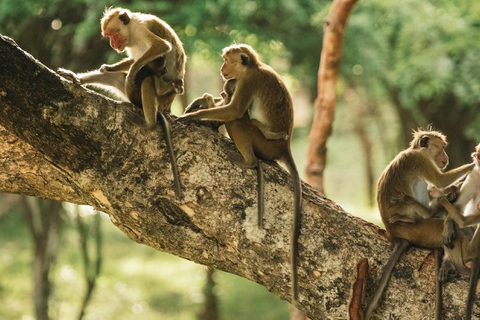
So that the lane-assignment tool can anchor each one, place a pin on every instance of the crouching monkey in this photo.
(152, 74)
(408, 174)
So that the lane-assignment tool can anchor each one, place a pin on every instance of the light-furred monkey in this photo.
(152, 74)
(409, 174)
(466, 212)
(260, 93)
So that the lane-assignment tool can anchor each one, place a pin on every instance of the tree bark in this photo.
(327, 84)
(63, 142)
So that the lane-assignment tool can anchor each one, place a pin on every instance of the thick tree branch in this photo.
(63, 142)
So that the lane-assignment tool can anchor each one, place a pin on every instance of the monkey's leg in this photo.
(448, 234)
(403, 218)
(399, 249)
(438, 285)
(270, 135)
(460, 219)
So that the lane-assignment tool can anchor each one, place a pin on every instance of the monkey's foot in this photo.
(135, 118)
(401, 218)
(245, 165)
(446, 270)
(448, 234)
(69, 75)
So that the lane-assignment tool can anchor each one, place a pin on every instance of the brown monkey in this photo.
(150, 77)
(408, 174)
(261, 92)
(466, 212)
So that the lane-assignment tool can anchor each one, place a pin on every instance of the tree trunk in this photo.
(327, 84)
(62, 142)
(43, 217)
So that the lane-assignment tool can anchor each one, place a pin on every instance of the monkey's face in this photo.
(476, 155)
(436, 150)
(118, 35)
(232, 66)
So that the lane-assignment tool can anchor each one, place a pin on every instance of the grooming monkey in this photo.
(152, 74)
(409, 174)
(466, 212)
(261, 94)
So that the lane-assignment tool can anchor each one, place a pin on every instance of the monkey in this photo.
(261, 92)
(409, 174)
(152, 74)
(466, 212)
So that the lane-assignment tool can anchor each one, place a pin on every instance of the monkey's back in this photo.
(165, 31)
(276, 100)
(399, 178)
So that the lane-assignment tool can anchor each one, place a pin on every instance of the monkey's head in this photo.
(476, 156)
(115, 25)
(236, 59)
(433, 143)
(229, 87)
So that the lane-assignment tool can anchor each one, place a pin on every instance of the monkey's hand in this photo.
(106, 68)
(196, 104)
(449, 234)
(193, 115)
(402, 199)
(69, 75)
(435, 192)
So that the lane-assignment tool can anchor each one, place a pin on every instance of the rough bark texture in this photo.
(62, 142)
(327, 85)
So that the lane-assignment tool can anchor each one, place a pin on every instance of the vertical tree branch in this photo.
(327, 80)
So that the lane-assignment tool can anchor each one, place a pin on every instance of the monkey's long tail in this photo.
(297, 191)
(438, 284)
(399, 249)
(173, 160)
(472, 288)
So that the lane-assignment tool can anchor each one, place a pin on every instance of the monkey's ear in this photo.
(245, 59)
(124, 17)
(424, 141)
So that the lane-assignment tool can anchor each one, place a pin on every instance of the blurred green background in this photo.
(405, 64)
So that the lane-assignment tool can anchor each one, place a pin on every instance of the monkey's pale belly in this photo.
(256, 113)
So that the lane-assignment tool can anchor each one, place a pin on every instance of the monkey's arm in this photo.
(460, 219)
(123, 65)
(431, 173)
(158, 48)
(241, 100)
(420, 209)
